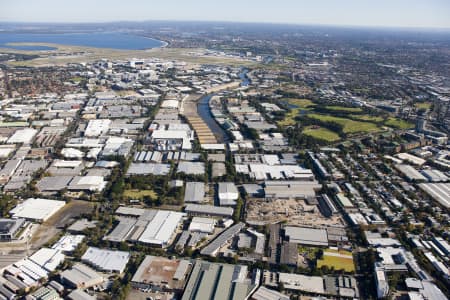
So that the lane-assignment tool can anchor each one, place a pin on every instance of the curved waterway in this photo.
(204, 111)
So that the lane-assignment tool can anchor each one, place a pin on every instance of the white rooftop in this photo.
(47, 258)
(37, 209)
(24, 136)
(68, 243)
(161, 228)
(106, 260)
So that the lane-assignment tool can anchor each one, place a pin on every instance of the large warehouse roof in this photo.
(306, 236)
(194, 192)
(209, 210)
(106, 260)
(228, 193)
(37, 209)
(81, 275)
(161, 228)
(410, 173)
(24, 136)
(438, 191)
(148, 168)
(218, 281)
(311, 284)
(47, 258)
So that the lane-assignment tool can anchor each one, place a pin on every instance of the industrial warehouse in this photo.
(235, 161)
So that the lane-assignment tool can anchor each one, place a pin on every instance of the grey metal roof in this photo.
(307, 236)
(218, 169)
(222, 239)
(253, 189)
(148, 168)
(410, 172)
(209, 210)
(264, 293)
(194, 192)
(122, 230)
(53, 183)
(218, 281)
(216, 157)
(194, 168)
(81, 274)
(440, 192)
(80, 295)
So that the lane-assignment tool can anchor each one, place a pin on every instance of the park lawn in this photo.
(368, 118)
(289, 118)
(76, 79)
(321, 134)
(349, 126)
(398, 123)
(139, 194)
(342, 252)
(300, 103)
(424, 105)
(344, 109)
(337, 262)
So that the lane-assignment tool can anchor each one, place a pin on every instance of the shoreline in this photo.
(164, 44)
(10, 45)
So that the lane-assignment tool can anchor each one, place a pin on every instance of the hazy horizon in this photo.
(432, 14)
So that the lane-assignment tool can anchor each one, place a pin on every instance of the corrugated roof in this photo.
(194, 192)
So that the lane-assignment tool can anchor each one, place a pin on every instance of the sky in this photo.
(373, 13)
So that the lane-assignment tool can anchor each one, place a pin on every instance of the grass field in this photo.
(349, 126)
(425, 105)
(301, 104)
(321, 134)
(368, 118)
(139, 194)
(338, 260)
(344, 109)
(398, 123)
(289, 118)
(76, 79)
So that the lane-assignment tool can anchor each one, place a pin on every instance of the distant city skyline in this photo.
(372, 13)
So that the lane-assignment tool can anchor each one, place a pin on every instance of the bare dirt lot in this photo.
(62, 218)
(293, 212)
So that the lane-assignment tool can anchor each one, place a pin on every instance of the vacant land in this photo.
(337, 259)
(321, 133)
(349, 126)
(72, 210)
(50, 228)
(398, 123)
(139, 194)
(293, 212)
